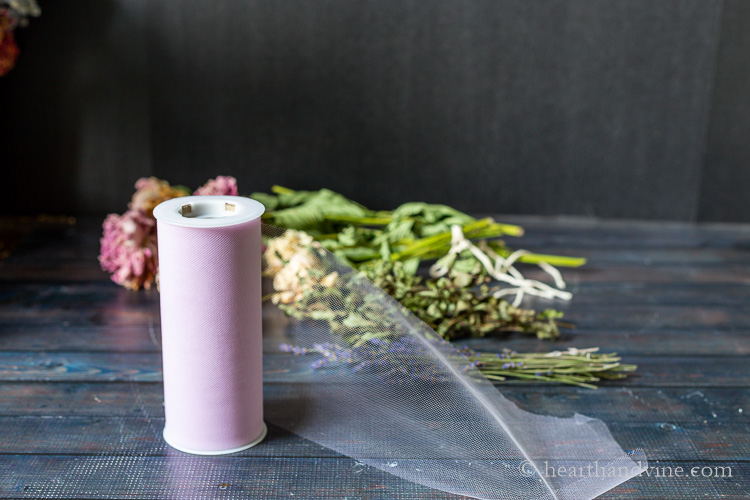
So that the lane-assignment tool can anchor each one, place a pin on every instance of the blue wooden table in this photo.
(81, 407)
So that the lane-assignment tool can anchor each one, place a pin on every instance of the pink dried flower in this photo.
(128, 249)
(8, 47)
(222, 185)
(151, 191)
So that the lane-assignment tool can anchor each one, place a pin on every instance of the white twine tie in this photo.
(502, 269)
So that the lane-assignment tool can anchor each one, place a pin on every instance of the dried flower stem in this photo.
(581, 367)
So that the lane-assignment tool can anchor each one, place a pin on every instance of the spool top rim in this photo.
(208, 211)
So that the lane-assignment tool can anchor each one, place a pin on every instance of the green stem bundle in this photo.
(388, 247)
(580, 367)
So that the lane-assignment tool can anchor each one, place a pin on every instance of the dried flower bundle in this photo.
(388, 247)
(306, 287)
(128, 248)
(13, 13)
(460, 297)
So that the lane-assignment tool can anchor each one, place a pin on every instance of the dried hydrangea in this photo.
(128, 246)
(293, 267)
(150, 191)
(128, 249)
(281, 250)
(222, 185)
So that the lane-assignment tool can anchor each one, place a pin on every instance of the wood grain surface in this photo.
(81, 404)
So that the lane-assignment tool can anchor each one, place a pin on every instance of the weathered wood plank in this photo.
(83, 367)
(601, 313)
(58, 298)
(82, 399)
(685, 487)
(675, 405)
(656, 317)
(180, 476)
(71, 254)
(60, 272)
(669, 294)
(729, 274)
(656, 371)
(52, 302)
(73, 295)
(92, 293)
(145, 339)
(137, 338)
(127, 435)
(135, 309)
(708, 406)
(650, 291)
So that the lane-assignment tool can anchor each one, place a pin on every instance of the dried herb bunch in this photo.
(455, 310)
(389, 246)
(308, 285)
(411, 233)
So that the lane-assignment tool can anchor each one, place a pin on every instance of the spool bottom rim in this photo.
(255, 441)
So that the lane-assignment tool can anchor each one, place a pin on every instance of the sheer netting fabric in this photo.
(378, 385)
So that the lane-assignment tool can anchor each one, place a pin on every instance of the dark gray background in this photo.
(635, 109)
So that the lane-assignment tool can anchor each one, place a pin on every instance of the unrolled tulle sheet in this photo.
(384, 389)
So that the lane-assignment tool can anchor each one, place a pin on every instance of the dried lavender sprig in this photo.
(579, 367)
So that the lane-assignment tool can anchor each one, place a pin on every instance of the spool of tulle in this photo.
(375, 383)
(210, 293)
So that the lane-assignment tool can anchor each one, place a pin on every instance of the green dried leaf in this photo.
(307, 210)
(268, 200)
(354, 320)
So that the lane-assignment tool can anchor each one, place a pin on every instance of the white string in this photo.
(555, 273)
(573, 352)
(503, 270)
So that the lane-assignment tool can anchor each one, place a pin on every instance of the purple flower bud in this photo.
(319, 364)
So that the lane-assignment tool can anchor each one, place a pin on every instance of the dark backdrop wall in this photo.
(636, 109)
